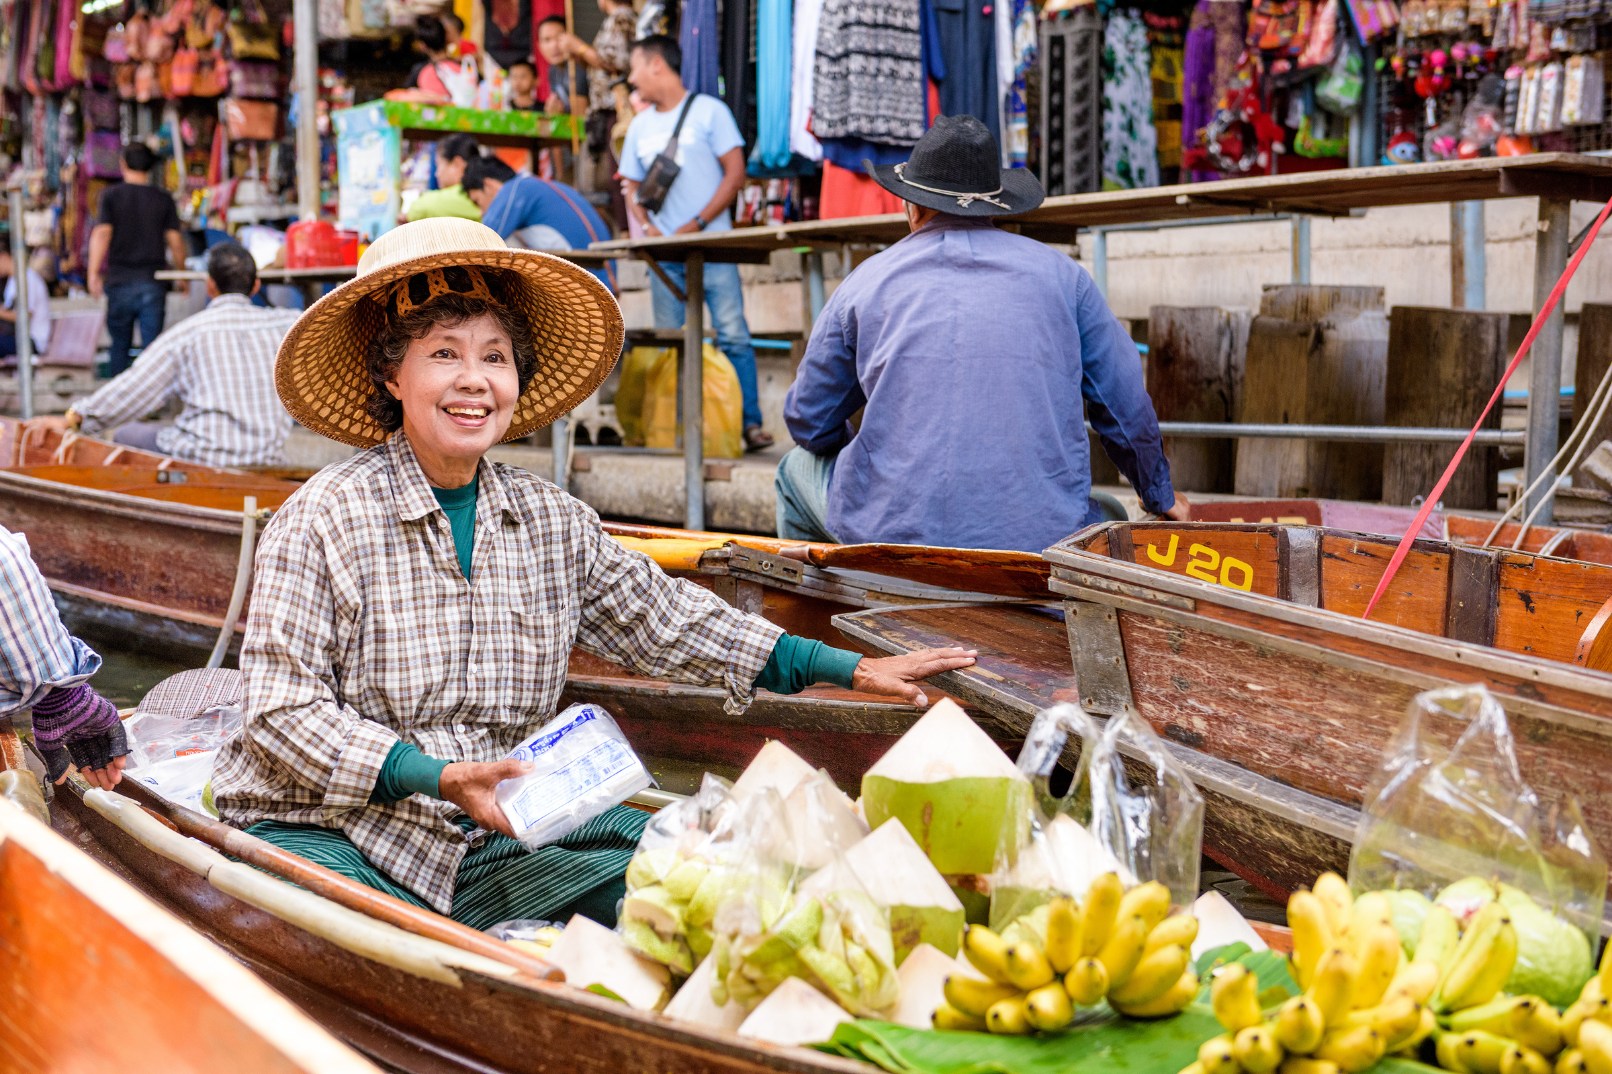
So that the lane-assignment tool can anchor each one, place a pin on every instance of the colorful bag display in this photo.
(103, 155)
(252, 121)
(254, 78)
(212, 75)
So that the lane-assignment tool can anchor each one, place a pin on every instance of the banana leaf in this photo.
(1100, 1043)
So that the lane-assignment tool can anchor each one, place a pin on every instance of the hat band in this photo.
(410, 293)
(964, 198)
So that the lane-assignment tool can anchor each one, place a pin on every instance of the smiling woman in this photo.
(415, 607)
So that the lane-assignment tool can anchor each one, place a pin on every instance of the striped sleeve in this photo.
(37, 654)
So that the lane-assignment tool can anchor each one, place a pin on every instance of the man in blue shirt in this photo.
(968, 349)
(535, 214)
(710, 155)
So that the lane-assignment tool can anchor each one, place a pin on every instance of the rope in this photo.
(1433, 497)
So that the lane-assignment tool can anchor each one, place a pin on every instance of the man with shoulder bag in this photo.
(683, 165)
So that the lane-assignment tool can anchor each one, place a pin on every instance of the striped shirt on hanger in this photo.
(219, 365)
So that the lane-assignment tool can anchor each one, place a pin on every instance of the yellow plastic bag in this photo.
(724, 405)
(630, 393)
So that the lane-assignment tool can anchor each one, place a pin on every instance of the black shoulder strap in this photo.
(671, 149)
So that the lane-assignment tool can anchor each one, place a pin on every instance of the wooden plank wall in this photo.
(1195, 373)
(1594, 358)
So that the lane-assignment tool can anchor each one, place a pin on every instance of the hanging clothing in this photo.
(852, 192)
(737, 40)
(1130, 144)
(702, 56)
(1016, 98)
(801, 139)
(507, 33)
(1214, 43)
(774, 26)
(968, 48)
(869, 78)
(1165, 38)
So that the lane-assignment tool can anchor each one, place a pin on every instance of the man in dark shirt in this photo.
(136, 234)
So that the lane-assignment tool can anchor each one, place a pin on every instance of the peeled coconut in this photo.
(592, 955)
(1064, 857)
(693, 1002)
(777, 767)
(896, 875)
(822, 822)
(1554, 959)
(1220, 924)
(922, 980)
(795, 1013)
(958, 795)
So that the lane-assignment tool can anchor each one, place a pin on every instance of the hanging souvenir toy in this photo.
(1241, 138)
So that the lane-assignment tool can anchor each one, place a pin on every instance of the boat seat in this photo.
(1595, 646)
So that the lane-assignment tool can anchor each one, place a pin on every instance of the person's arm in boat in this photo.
(826, 392)
(146, 386)
(797, 663)
(1120, 410)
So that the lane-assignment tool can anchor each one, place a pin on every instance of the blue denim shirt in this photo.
(971, 349)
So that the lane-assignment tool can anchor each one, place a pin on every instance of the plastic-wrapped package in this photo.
(1450, 816)
(1152, 825)
(582, 765)
(173, 754)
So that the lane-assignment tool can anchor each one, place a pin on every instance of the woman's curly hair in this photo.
(388, 346)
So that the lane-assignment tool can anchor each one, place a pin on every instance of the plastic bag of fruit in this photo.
(1449, 819)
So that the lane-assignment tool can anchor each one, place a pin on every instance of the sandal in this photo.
(757, 439)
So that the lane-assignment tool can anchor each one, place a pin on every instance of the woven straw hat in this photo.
(576, 328)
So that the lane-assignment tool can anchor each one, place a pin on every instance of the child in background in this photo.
(523, 87)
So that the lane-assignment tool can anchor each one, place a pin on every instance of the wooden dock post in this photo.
(1442, 366)
(1594, 357)
(1195, 373)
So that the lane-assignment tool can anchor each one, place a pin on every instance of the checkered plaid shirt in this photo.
(37, 654)
(364, 631)
(219, 364)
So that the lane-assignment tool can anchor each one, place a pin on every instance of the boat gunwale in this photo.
(1071, 565)
(137, 508)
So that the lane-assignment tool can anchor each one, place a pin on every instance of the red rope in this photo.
(1432, 500)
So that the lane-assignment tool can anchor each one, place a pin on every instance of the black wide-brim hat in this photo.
(956, 169)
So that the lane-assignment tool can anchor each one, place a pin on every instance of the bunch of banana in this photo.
(1122, 946)
(1360, 1000)
(1586, 1026)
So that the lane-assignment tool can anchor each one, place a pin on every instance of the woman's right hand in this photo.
(470, 784)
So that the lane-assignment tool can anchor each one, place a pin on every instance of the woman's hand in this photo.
(469, 785)
(105, 778)
(894, 676)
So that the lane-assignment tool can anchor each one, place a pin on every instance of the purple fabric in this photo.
(1198, 81)
(77, 712)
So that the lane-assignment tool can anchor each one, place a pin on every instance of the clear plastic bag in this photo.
(582, 765)
(1153, 826)
(173, 754)
(1450, 816)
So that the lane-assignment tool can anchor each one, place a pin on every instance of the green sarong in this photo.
(500, 879)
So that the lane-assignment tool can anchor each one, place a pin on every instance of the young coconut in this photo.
(776, 767)
(958, 795)
(1220, 924)
(796, 1013)
(896, 875)
(820, 820)
(1061, 857)
(593, 956)
(922, 981)
(693, 1002)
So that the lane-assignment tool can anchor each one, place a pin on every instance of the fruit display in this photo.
(1115, 945)
(896, 874)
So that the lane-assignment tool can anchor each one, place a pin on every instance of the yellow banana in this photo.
(1218, 1055)
(1312, 934)
(1577, 1014)
(1418, 980)
(1372, 908)
(1048, 1007)
(1333, 891)
(1063, 934)
(972, 996)
(1176, 929)
(1535, 1024)
(1595, 1044)
(1234, 995)
(1441, 932)
(1353, 1048)
(1445, 1048)
(1334, 984)
(1494, 1016)
(1571, 1061)
(1304, 1064)
(1521, 1059)
(1155, 975)
(1099, 912)
(1592, 990)
(1151, 900)
(1123, 951)
(1008, 1017)
(1480, 1051)
(1378, 953)
(1193, 1067)
(1086, 982)
(1425, 1027)
(1483, 960)
(1395, 1020)
(1300, 1025)
(988, 953)
(1604, 973)
(1027, 966)
(948, 1017)
(1173, 1001)
(1256, 1049)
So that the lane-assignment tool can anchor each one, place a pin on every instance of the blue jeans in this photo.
(142, 300)
(802, 487)
(724, 297)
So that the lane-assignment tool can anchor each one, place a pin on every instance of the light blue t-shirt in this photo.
(709, 132)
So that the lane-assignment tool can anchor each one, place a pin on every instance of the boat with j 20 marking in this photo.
(1244, 646)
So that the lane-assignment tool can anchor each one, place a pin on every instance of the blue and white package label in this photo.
(582, 766)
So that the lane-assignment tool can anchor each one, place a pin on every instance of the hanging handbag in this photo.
(252, 121)
(116, 47)
(101, 110)
(212, 76)
(664, 169)
(254, 78)
(183, 77)
(103, 155)
(204, 26)
(253, 41)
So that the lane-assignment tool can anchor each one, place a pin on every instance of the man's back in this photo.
(528, 202)
(972, 349)
(141, 216)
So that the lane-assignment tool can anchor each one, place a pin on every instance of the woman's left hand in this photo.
(470, 785)
(894, 676)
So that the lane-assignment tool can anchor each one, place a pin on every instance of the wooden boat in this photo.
(1244, 647)
(96, 976)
